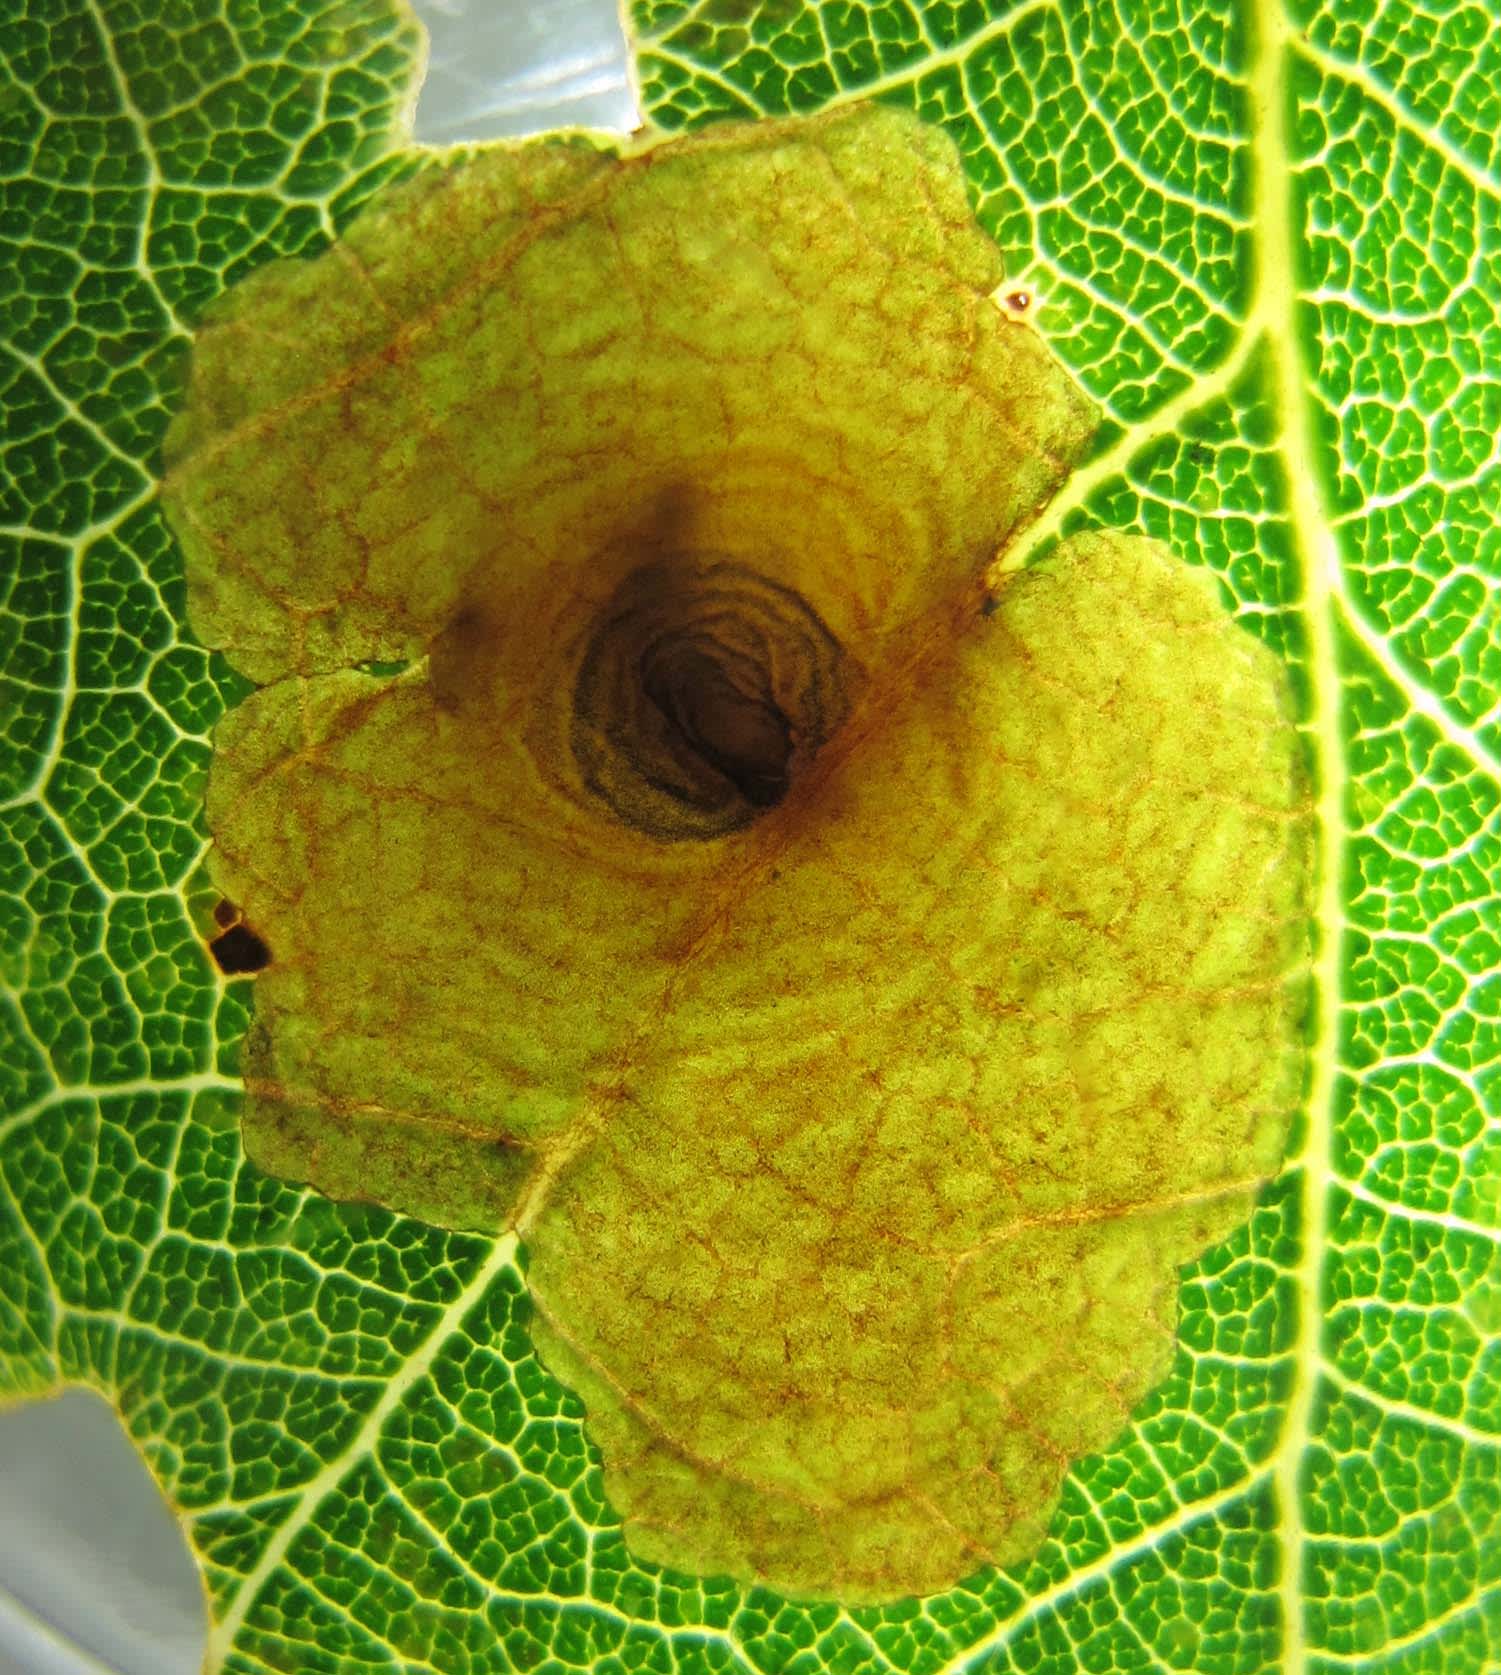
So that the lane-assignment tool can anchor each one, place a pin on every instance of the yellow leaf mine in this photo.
(862, 994)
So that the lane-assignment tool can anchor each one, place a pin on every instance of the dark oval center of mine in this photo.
(723, 711)
(703, 691)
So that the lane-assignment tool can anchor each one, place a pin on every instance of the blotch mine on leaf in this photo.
(883, 988)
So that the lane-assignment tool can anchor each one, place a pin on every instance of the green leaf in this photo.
(1267, 242)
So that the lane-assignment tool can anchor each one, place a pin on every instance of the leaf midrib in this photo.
(1275, 316)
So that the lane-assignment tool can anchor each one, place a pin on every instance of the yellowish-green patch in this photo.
(862, 993)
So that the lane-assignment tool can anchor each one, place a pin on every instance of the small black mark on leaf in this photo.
(238, 951)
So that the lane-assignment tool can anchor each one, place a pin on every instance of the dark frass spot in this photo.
(239, 951)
